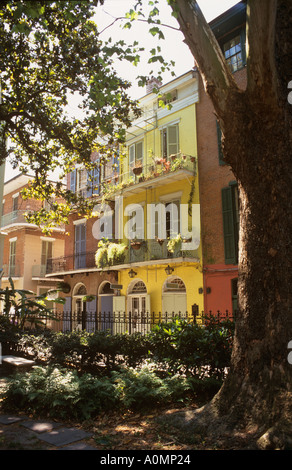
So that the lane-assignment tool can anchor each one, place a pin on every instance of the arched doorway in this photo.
(138, 307)
(174, 297)
(105, 306)
(79, 307)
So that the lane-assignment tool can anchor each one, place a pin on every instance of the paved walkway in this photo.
(19, 432)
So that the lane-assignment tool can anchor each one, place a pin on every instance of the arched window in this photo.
(138, 287)
(174, 285)
(105, 288)
(80, 289)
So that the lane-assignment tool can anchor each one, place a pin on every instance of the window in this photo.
(234, 52)
(172, 219)
(15, 204)
(106, 170)
(78, 181)
(165, 220)
(12, 257)
(135, 156)
(138, 288)
(174, 285)
(80, 245)
(46, 255)
(81, 181)
(169, 141)
(230, 223)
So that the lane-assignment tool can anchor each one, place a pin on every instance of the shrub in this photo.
(144, 388)
(63, 394)
(191, 348)
(60, 393)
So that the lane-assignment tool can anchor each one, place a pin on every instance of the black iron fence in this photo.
(121, 322)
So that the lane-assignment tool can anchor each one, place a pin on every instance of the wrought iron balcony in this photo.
(14, 217)
(173, 167)
(11, 270)
(74, 262)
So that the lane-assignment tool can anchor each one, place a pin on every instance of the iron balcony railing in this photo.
(71, 262)
(11, 270)
(14, 217)
(139, 173)
(144, 251)
(142, 172)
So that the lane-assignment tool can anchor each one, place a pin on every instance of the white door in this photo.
(139, 313)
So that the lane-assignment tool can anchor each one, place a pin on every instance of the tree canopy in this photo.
(51, 51)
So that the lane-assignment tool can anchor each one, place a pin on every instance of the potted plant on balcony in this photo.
(166, 166)
(137, 169)
(174, 244)
(101, 257)
(116, 253)
(136, 244)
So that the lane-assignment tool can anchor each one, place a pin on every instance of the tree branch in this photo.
(217, 78)
(121, 18)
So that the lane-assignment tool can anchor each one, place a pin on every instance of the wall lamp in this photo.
(169, 270)
(132, 273)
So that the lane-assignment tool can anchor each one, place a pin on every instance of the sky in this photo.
(172, 48)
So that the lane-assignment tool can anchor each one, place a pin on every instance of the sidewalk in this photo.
(21, 433)
(18, 432)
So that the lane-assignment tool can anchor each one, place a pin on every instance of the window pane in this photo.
(232, 51)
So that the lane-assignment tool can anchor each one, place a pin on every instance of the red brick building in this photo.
(88, 290)
(27, 251)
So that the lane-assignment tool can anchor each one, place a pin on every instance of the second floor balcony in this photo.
(17, 218)
(11, 270)
(14, 217)
(140, 174)
(144, 252)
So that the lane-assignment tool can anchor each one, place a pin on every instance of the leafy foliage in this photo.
(50, 53)
(109, 253)
(175, 347)
(63, 394)
(60, 393)
(21, 306)
(85, 373)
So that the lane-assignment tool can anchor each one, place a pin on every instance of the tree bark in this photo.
(256, 126)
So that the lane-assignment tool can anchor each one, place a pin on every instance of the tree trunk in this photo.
(257, 139)
(258, 388)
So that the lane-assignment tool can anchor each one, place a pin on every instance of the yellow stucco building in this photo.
(158, 216)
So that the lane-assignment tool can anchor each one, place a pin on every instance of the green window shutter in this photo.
(219, 139)
(139, 152)
(131, 159)
(172, 140)
(228, 227)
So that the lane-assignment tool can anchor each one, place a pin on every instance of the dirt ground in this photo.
(129, 431)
